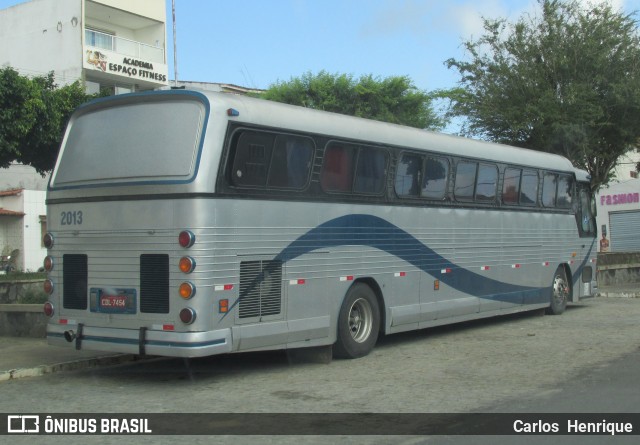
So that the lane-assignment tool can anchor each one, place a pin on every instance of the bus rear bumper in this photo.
(140, 341)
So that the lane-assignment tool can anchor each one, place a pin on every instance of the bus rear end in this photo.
(120, 211)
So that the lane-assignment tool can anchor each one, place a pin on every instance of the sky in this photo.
(256, 43)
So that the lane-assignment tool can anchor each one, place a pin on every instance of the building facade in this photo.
(117, 45)
(618, 207)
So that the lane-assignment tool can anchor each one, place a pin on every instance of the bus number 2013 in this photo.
(71, 218)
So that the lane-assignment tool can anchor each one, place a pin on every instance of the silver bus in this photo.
(185, 223)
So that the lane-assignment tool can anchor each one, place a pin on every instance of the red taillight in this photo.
(48, 286)
(187, 264)
(48, 263)
(187, 290)
(187, 315)
(48, 309)
(186, 238)
(47, 240)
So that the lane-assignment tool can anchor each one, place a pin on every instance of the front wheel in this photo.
(559, 293)
(358, 323)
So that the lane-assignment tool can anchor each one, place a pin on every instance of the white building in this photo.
(118, 45)
(619, 209)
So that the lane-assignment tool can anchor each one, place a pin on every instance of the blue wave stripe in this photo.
(375, 232)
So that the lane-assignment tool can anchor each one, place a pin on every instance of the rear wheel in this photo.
(358, 323)
(559, 293)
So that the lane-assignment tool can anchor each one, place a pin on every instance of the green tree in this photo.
(566, 81)
(393, 99)
(33, 116)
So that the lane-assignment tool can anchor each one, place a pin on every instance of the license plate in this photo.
(113, 301)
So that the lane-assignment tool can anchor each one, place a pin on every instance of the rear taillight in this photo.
(187, 315)
(48, 309)
(48, 286)
(186, 238)
(48, 263)
(48, 240)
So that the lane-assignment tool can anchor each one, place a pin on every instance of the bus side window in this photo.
(465, 180)
(337, 168)
(370, 171)
(291, 162)
(511, 185)
(251, 159)
(436, 172)
(407, 182)
(487, 182)
(529, 188)
(549, 189)
(565, 191)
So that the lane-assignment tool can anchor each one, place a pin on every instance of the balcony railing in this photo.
(120, 45)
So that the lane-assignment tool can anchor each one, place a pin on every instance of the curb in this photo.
(75, 365)
(619, 294)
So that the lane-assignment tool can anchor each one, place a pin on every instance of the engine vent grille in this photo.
(74, 281)
(154, 283)
(260, 288)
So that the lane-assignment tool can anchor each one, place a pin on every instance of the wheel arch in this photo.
(569, 275)
(377, 290)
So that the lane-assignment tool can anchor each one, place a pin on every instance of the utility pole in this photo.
(175, 49)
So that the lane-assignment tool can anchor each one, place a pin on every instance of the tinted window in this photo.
(337, 168)
(511, 185)
(291, 162)
(487, 182)
(252, 158)
(565, 191)
(529, 189)
(549, 190)
(465, 180)
(408, 175)
(370, 171)
(436, 172)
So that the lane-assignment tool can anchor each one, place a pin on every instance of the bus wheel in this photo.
(559, 293)
(358, 323)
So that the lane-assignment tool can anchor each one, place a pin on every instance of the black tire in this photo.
(560, 291)
(358, 323)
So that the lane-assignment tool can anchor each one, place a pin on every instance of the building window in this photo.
(99, 39)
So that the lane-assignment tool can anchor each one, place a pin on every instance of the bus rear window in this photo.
(151, 141)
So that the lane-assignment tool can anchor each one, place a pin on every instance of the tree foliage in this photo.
(566, 81)
(393, 99)
(33, 116)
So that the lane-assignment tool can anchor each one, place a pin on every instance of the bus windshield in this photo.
(146, 142)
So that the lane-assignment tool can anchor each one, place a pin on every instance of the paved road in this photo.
(583, 361)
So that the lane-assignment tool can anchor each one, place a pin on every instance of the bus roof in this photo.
(295, 118)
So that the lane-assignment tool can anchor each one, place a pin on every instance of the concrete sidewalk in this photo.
(30, 357)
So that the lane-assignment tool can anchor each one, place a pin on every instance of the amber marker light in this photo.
(187, 290)
(223, 306)
(187, 264)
